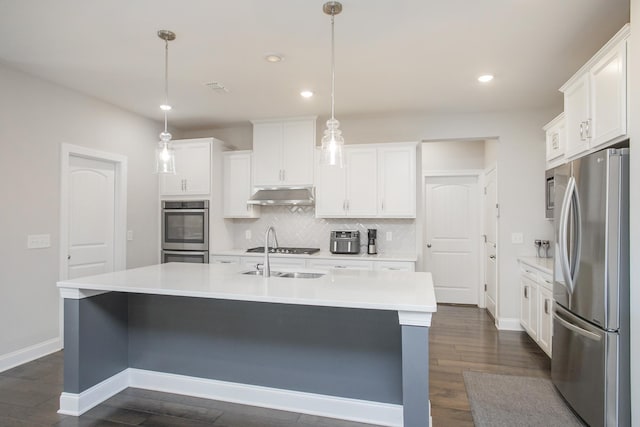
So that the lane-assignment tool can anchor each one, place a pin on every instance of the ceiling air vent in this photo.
(217, 87)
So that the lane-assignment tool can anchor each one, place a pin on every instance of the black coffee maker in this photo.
(371, 246)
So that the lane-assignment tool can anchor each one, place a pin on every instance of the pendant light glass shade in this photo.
(165, 154)
(332, 141)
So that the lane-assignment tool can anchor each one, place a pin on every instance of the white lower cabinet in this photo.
(276, 262)
(536, 305)
(224, 259)
(339, 264)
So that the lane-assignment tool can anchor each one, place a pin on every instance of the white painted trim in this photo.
(508, 324)
(77, 404)
(288, 400)
(27, 354)
(71, 293)
(453, 172)
(120, 217)
(414, 318)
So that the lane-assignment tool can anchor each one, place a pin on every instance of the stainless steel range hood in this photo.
(299, 196)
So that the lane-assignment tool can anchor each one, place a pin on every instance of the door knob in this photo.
(492, 256)
(428, 245)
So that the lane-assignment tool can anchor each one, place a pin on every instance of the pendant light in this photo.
(165, 155)
(332, 141)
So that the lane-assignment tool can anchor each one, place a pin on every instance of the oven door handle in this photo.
(184, 210)
(184, 252)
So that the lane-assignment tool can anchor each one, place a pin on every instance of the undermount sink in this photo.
(301, 275)
(289, 275)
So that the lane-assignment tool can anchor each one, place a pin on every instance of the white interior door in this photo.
(491, 233)
(91, 221)
(452, 232)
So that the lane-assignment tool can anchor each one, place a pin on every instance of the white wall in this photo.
(35, 118)
(634, 132)
(450, 155)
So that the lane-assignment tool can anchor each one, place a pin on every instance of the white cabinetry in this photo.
(283, 152)
(340, 264)
(238, 185)
(394, 266)
(224, 259)
(595, 99)
(349, 191)
(555, 132)
(397, 181)
(377, 181)
(193, 169)
(536, 304)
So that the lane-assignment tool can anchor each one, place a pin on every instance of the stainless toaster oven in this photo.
(345, 242)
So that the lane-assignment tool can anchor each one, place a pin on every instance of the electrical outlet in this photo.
(247, 234)
(517, 238)
(38, 241)
(389, 236)
(129, 235)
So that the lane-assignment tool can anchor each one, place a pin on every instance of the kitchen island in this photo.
(349, 344)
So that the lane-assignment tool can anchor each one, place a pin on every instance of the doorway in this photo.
(490, 242)
(452, 226)
(93, 209)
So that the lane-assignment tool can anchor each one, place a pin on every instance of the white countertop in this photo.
(408, 257)
(378, 290)
(543, 264)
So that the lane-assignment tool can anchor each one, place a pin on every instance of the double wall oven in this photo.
(185, 231)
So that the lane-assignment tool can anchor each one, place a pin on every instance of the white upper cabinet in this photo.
(283, 152)
(193, 169)
(595, 99)
(378, 181)
(238, 185)
(555, 132)
(397, 181)
(362, 170)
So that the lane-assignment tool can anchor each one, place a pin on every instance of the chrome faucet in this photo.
(266, 268)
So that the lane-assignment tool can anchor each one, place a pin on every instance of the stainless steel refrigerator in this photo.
(590, 363)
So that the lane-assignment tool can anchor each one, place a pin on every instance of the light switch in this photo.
(389, 236)
(517, 238)
(247, 234)
(129, 234)
(38, 241)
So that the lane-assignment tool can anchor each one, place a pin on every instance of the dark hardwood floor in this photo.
(462, 338)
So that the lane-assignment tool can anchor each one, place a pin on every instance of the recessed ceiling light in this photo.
(165, 107)
(306, 94)
(485, 78)
(273, 57)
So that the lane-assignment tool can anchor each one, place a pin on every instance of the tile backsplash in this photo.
(297, 226)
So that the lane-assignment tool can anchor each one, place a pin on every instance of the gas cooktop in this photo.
(284, 250)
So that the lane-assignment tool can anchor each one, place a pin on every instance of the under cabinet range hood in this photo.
(287, 196)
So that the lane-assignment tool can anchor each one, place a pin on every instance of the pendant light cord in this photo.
(333, 68)
(166, 80)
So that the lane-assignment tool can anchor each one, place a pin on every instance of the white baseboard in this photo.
(27, 354)
(509, 324)
(78, 404)
(295, 401)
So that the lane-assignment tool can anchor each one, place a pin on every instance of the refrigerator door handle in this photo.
(563, 228)
(578, 330)
(577, 235)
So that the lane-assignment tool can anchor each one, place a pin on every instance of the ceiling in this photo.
(392, 57)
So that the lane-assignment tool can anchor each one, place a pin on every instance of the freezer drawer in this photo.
(584, 369)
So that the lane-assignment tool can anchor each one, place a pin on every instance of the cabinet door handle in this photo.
(347, 204)
(546, 306)
(382, 206)
(284, 172)
(587, 128)
(581, 131)
(339, 266)
(526, 292)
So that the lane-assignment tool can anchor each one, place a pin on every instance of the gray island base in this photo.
(361, 364)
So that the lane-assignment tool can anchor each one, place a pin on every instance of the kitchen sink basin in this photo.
(289, 275)
(301, 275)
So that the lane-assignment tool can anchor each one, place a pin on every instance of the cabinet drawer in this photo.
(339, 264)
(275, 262)
(224, 259)
(394, 266)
